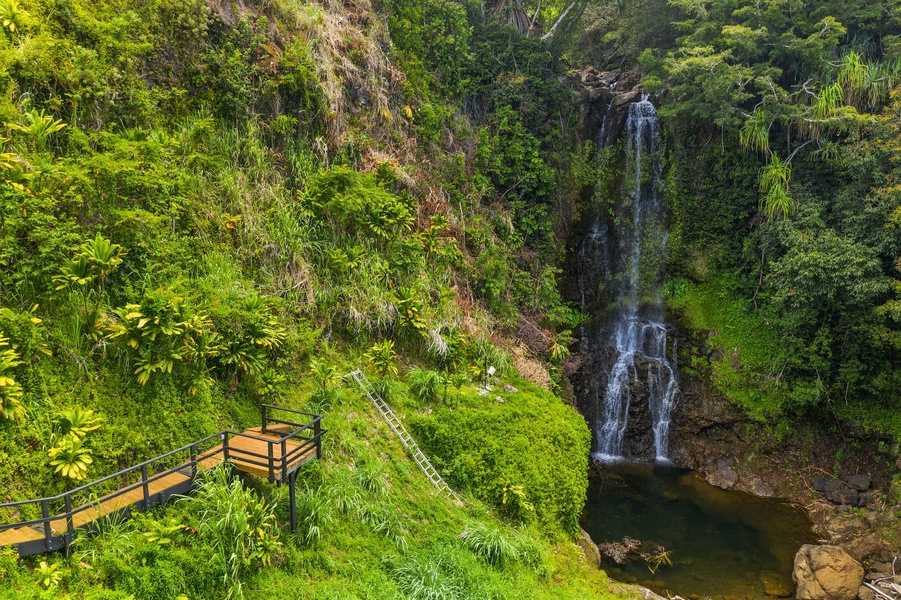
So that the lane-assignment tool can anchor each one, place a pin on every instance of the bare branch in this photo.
(534, 17)
(563, 19)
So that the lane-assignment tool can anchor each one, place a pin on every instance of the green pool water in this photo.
(723, 544)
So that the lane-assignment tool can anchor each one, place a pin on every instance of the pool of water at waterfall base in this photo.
(722, 544)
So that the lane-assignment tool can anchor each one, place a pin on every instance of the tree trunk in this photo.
(562, 19)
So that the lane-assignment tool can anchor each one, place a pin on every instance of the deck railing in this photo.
(67, 505)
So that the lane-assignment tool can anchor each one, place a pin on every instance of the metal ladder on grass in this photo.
(405, 438)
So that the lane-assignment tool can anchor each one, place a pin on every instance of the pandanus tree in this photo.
(39, 127)
(69, 457)
(103, 256)
(78, 422)
(94, 261)
(383, 357)
(12, 16)
(11, 407)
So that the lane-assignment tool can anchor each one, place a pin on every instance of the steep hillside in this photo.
(207, 206)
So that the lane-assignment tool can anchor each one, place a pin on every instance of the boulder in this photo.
(865, 593)
(831, 486)
(599, 94)
(819, 484)
(589, 548)
(864, 498)
(865, 546)
(861, 483)
(635, 590)
(628, 98)
(826, 573)
(843, 495)
(725, 475)
(759, 488)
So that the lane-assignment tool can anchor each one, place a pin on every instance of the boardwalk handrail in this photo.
(125, 471)
(277, 468)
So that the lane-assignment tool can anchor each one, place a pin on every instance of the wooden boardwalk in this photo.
(274, 451)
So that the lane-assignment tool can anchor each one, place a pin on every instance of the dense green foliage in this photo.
(370, 526)
(528, 453)
(801, 249)
(205, 207)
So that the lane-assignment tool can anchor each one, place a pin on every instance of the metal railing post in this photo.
(225, 446)
(193, 461)
(284, 459)
(317, 435)
(263, 417)
(45, 514)
(292, 502)
(271, 462)
(145, 487)
(70, 526)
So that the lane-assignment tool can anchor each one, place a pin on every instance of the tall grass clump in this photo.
(345, 491)
(313, 514)
(424, 578)
(238, 525)
(370, 474)
(425, 384)
(384, 519)
(111, 535)
(491, 543)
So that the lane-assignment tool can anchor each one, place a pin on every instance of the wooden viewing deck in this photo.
(274, 451)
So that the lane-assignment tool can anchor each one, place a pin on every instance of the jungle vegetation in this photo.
(205, 206)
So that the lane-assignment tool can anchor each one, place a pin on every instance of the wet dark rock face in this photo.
(591, 378)
(606, 96)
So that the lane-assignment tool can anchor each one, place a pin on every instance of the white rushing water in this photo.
(639, 335)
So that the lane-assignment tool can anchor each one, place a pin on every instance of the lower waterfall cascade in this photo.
(636, 334)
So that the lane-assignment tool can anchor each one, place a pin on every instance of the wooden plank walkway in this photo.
(274, 451)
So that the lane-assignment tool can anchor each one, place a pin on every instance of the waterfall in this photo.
(638, 335)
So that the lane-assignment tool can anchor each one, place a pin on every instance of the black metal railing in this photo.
(63, 508)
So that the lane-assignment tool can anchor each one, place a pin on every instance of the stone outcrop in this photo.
(589, 548)
(606, 96)
(826, 573)
(850, 492)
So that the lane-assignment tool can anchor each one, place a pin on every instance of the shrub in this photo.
(239, 525)
(425, 384)
(532, 445)
(383, 357)
(356, 203)
(491, 543)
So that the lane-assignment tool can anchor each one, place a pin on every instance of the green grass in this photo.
(381, 531)
(751, 358)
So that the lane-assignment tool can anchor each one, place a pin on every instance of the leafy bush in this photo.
(437, 33)
(239, 526)
(532, 443)
(426, 385)
(356, 203)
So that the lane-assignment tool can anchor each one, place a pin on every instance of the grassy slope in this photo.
(186, 143)
(357, 556)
